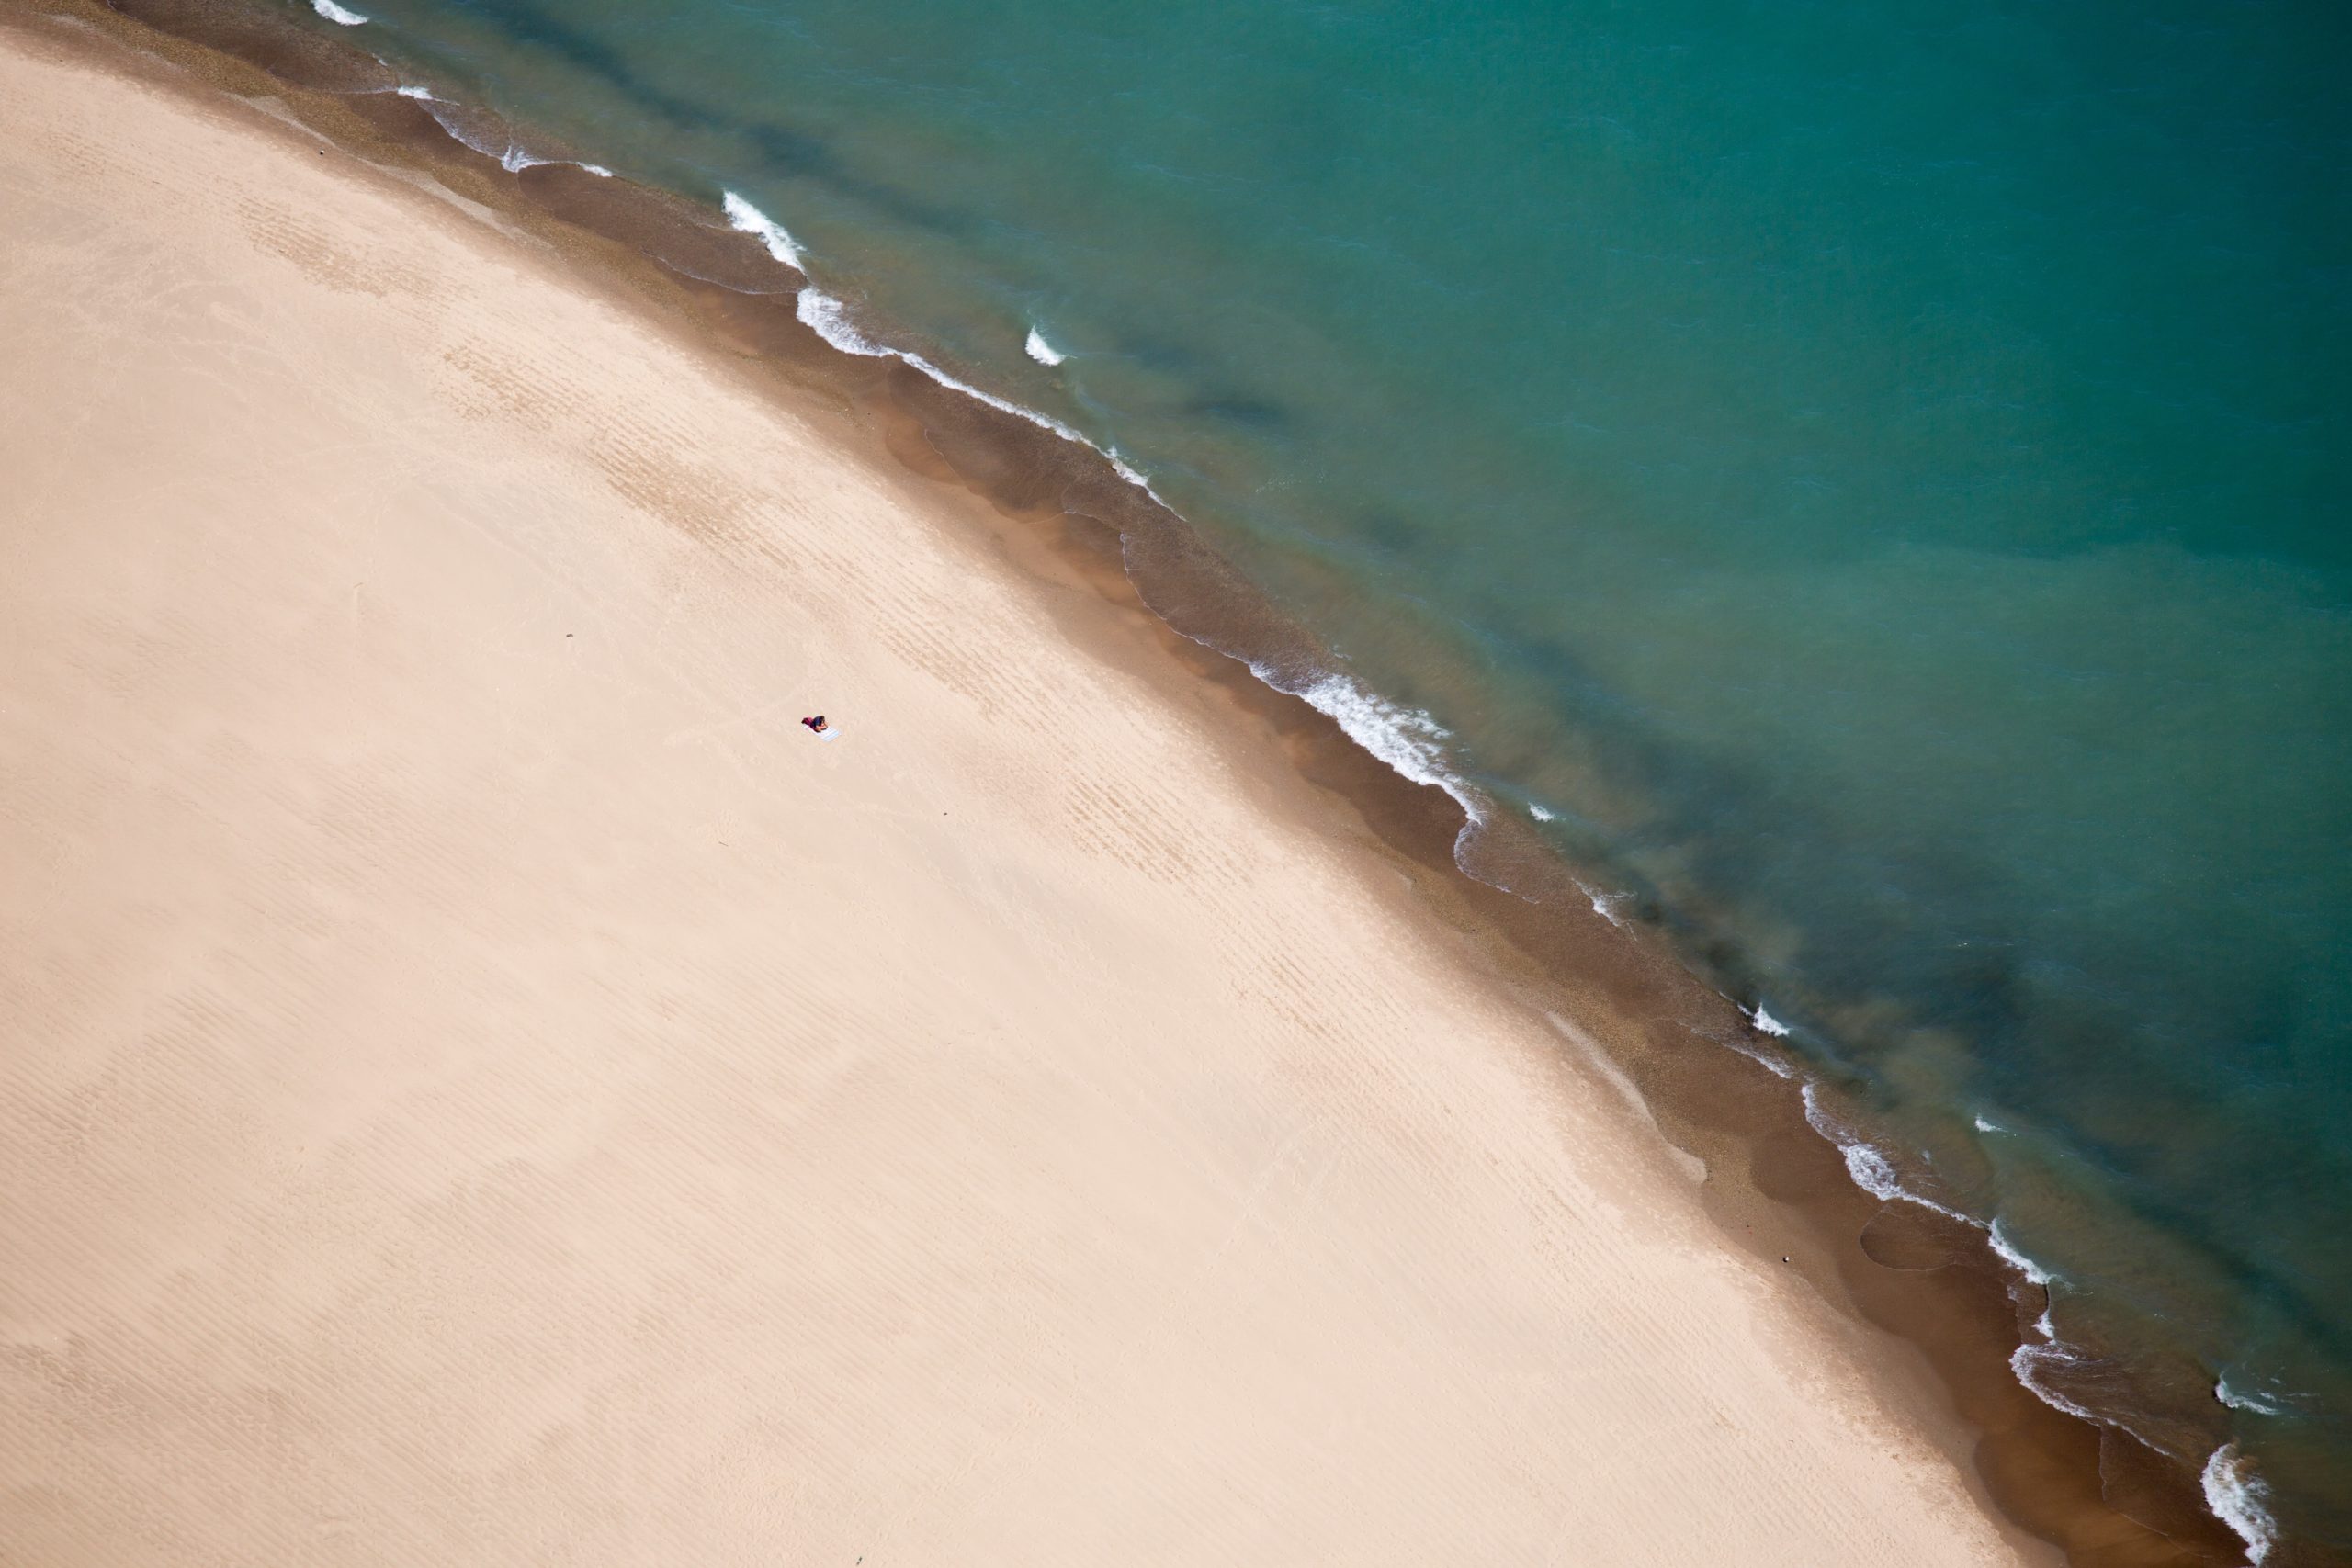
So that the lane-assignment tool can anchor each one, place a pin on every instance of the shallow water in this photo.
(1872, 474)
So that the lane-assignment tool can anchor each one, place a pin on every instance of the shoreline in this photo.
(1065, 519)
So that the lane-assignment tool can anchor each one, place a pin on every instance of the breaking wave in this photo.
(1872, 1171)
(1041, 351)
(2254, 1401)
(509, 155)
(2237, 1497)
(741, 215)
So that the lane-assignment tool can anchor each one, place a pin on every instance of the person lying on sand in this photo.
(817, 725)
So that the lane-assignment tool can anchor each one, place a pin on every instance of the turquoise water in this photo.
(1872, 474)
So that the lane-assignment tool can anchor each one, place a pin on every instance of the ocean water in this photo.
(1869, 477)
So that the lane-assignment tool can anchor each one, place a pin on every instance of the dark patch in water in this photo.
(1389, 533)
(791, 152)
(1238, 409)
(2032, 1457)
(1161, 355)
(2029, 1038)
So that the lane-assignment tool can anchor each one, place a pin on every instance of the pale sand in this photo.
(483, 1086)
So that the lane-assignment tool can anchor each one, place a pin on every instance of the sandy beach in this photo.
(485, 1085)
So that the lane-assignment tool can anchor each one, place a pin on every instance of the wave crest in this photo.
(2237, 1497)
(1041, 351)
(742, 216)
(1871, 1169)
(1999, 1242)
(2254, 1401)
(509, 153)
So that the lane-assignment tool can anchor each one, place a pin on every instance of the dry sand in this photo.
(482, 1085)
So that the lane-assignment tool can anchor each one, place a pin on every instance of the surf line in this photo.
(1411, 743)
(1408, 740)
(512, 157)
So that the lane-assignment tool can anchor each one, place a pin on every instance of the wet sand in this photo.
(488, 1085)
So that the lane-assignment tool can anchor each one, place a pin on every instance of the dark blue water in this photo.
(1871, 475)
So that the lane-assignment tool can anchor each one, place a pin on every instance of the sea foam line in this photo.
(2258, 1402)
(1770, 1064)
(1872, 1171)
(2025, 1364)
(511, 157)
(1875, 1174)
(1869, 1169)
(829, 318)
(2232, 1492)
(741, 215)
(1407, 740)
(337, 14)
(1605, 906)
(1041, 351)
(2236, 1496)
(1410, 742)
(1999, 1242)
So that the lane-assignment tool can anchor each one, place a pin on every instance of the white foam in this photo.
(2000, 1243)
(1041, 351)
(1603, 904)
(420, 93)
(337, 14)
(457, 131)
(1408, 741)
(2237, 1399)
(2028, 1362)
(1984, 1126)
(1772, 1064)
(512, 157)
(2236, 1495)
(598, 170)
(1541, 814)
(825, 316)
(750, 219)
(829, 318)
(1871, 1171)
(2025, 1362)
